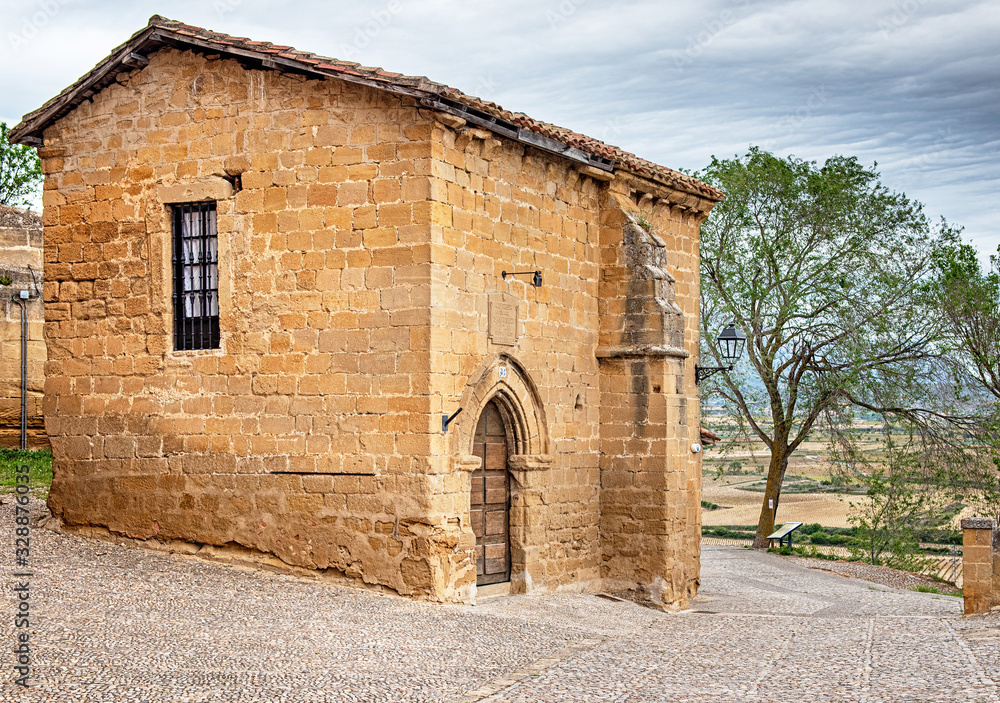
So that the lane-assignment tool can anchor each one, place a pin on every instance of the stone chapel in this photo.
(363, 323)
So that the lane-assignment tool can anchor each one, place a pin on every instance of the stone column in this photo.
(463, 558)
(650, 481)
(528, 519)
(979, 575)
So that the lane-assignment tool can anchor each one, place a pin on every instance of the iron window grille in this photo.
(196, 276)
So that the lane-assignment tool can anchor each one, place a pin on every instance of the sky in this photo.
(912, 85)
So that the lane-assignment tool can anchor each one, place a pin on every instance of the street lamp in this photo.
(730, 342)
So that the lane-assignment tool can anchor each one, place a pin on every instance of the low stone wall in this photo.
(21, 269)
(981, 565)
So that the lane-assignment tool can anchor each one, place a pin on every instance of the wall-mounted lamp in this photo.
(536, 276)
(730, 342)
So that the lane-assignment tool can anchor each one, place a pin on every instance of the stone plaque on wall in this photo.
(503, 318)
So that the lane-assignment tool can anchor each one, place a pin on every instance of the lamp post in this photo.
(731, 342)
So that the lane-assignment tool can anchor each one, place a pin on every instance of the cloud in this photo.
(910, 84)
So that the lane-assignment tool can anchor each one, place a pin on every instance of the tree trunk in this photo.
(775, 477)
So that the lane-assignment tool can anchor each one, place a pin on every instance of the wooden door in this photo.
(490, 500)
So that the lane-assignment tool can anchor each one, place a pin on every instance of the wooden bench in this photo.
(784, 532)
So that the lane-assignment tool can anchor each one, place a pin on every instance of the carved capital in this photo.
(978, 523)
(531, 472)
(530, 462)
(467, 462)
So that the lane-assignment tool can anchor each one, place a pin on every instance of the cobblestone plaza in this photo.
(123, 624)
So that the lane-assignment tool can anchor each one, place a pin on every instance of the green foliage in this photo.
(20, 172)
(810, 528)
(733, 468)
(708, 505)
(888, 525)
(39, 463)
(823, 538)
(938, 536)
(969, 299)
(728, 531)
(944, 551)
(837, 480)
(824, 269)
(921, 588)
(811, 552)
(793, 484)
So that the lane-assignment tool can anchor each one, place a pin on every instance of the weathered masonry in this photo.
(273, 279)
(980, 565)
(20, 291)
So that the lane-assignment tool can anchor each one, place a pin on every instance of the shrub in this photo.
(828, 539)
(931, 589)
(728, 532)
(811, 552)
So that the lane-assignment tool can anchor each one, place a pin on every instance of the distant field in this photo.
(810, 492)
(742, 507)
(739, 494)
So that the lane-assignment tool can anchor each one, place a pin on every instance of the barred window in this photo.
(196, 277)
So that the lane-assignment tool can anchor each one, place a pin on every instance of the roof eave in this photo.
(153, 38)
(29, 130)
(133, 54)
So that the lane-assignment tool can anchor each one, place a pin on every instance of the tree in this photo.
(885, 523)
(969, 300)
(20, 171)
(823, 268)
(902, 501)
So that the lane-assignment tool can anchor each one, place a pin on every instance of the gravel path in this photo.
(876, 574)
(114, 623)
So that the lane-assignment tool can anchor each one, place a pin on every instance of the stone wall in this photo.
(501, 207)
(307, 434)
(21, 262)
(362, 298)
(980, 565)
(613, 493)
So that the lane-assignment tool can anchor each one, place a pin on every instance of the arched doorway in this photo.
(490, 498)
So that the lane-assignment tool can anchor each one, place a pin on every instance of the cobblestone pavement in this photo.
(114, 623)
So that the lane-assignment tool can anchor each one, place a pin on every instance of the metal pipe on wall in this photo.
(21, 299)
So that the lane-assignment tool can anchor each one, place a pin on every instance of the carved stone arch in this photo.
(505, 381)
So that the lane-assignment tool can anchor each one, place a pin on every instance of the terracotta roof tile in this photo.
(163, 30)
